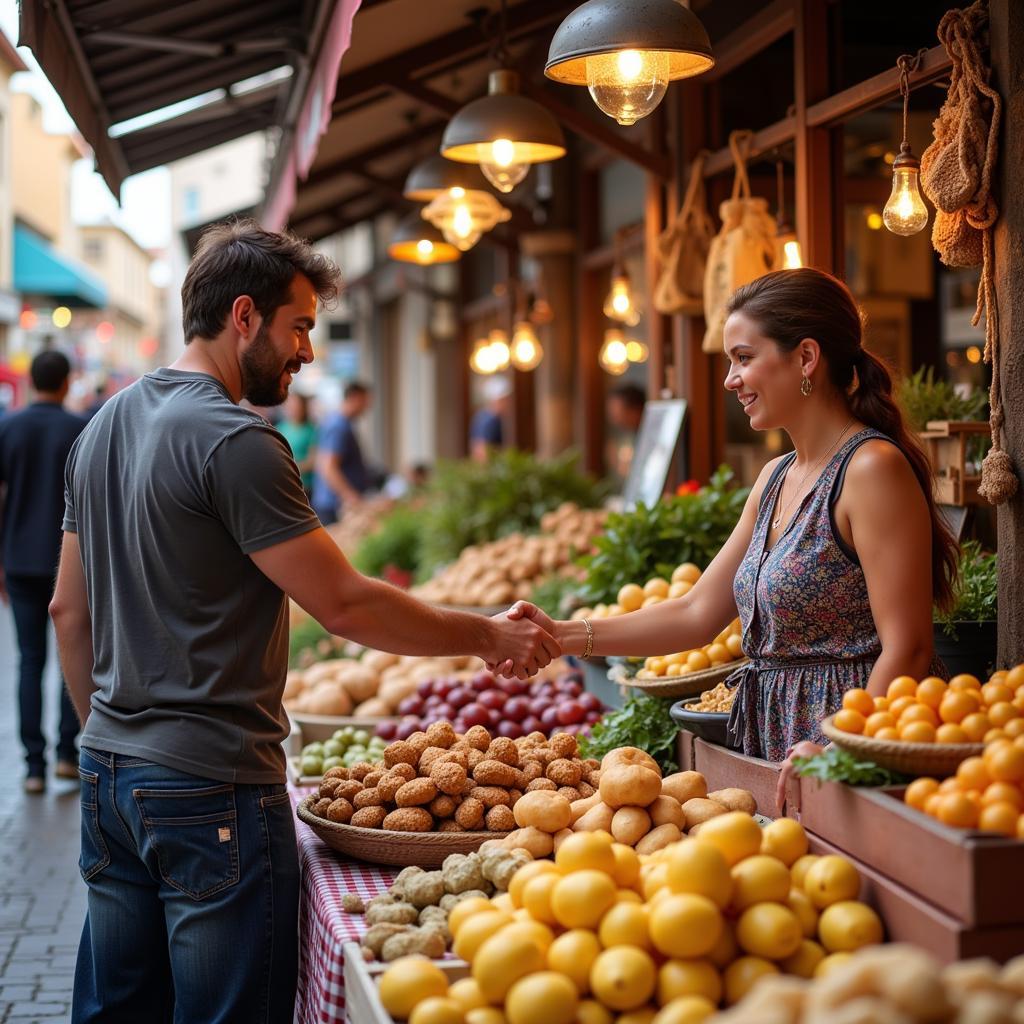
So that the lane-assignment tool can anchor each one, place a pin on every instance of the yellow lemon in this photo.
(590, 1011)
(685, 925)
(623, 978)
(580, 900)
(830, 963)
(546, 995)
(769, 930)
(625, 924)
(437, 1010)
(799, 868)
(503, 959)
(784, 839)
(688, 978)
(685, 1010)
(501, 902)
(573, 954)
(699, 868)
(466, 909)
(654, 879)
(627, 864)
(848, 925)
(466, 992)
(409, 981)
(536, 930)
(735, 835)
(759, 879)
(586, 850)
(630, 896)
(630, 597)
(656, 587)
(742, 974)
(685, 573)
(831, 879)
(800, 903)
(485, 1015)
(804, 962)
(725, 950)
(476, 930)
(522, 876)
(537, 896)
(641, 1015)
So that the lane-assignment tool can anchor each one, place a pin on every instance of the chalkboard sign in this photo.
(655, 446)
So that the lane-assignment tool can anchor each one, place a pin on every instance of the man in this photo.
(34, 446)
(625, 409)
(487, 430)
(186, 530)
(341, 475)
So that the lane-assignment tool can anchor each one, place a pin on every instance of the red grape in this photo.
(532, 724)
(513, 730)
(426, 688)
(387, 730)
(593, 716)
(411, 705)
(460, 697)
(406, 728)
(493, 698)
(570, 713)
(482, 681)
(475, 714)
(549, 719)
(445, 711)
(517, 709)
(589, 702)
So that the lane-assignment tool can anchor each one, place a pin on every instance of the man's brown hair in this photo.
(240, 258)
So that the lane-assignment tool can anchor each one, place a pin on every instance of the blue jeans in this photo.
(193, 897)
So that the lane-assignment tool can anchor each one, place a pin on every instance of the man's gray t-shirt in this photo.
(170, 488)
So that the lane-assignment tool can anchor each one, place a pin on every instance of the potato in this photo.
(735, 800)
(667, 810)
(372, 708)
(663, 835)
(379, 660)
(684, 786)
(360, 680)
(629, 756)
(698, 810)
(538, 844)
(629, 785)
(327, 698)
(580, 807)
(547, 811)
(394, 691)
(597, 819)
(630, 825)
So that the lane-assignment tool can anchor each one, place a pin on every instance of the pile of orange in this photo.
(933, 711)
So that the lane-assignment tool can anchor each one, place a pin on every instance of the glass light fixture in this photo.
(619, 304)
(503, 132)
(500, 353)
(481, 359)
(614, 357)
(637, 351)
(905, 212)
(527, 351)
(627, 51)
(463, 215)
(416, 241)
(787, 247)
(435, 176)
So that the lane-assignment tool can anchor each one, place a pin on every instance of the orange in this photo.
(998, 677)
(1015, 677)
(800, 867)
(931, 691)
(759, 879)
(466, 909)
(951, 785)
(919, 713)
(805, 960)
(1003, 792)
(546, 996)
(860, 701)
(623, 977)
(849, 721)
(684, 1010)
(881, 703)
(702, 869)
(769, 930)
(917, 732)
(742, 974)
(537, 897)
(736, 835)
(1006, 764)
(847, 926)
(476, 930)
(523, 875)
(964, 682)
(831, 879)
(957, 810)
(879, 720)
(806, 912)
(590, 1011)
(888, 732)
(950, 733)
(931, 804)
(918, 791)
(592, 850)
(993, 745)
(677, 978)
(725, 949)
(903, 686)
(1001, 713)
(1020, 827)
(956, 706)
(1014, 728)
(784, 839)
(1018, 741)
(899, 705)
(999, 817)
(572, 954)
(685, 925)
(995, 693)
(973, 773)
(409, 981)
(994, 734)
(625, 925)
(975, 725)
(437, 1010)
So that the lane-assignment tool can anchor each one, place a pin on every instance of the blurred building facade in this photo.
(10, 63)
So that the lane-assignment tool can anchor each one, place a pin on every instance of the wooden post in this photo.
(1006, 18)
(654, 222)
(590, 377)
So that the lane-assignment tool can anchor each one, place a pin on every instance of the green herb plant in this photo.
(834, 764)
(977, 589)
(304, 637)
(924, 398)
(558, 596)
(396, 542)
(642, 722)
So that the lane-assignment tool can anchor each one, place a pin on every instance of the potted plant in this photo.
(965, 636)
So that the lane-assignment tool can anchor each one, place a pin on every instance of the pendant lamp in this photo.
(627, 51)
(614, 356)
(435, 176)
(905, 212)
(416, 241)
(787, 246)
(462, 215)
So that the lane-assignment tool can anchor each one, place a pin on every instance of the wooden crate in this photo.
(724, 768)
(312, 728)
(909, 918)
(362, 1003)
(972, 876)
(945, 442)
(684, 750)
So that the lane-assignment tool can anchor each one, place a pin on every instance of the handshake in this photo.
(524, 640)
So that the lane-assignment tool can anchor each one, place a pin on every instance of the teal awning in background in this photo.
(40, 270)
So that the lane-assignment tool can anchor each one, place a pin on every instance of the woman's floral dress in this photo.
(807, 623)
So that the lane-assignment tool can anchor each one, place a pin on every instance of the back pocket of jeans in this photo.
(94, 856)
(194, 835)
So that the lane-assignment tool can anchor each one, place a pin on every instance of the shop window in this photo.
(190, 202)
(92, 249)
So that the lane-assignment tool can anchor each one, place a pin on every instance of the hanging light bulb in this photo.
(482, 359)
(527, 351)
(637, 351)
(619, 304)
(627, 51)
(787, 246)
(416, 241)
(463, 215)
(500, 353)
(614, 357)
(905, 212)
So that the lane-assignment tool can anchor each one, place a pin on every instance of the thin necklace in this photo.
(803, 479)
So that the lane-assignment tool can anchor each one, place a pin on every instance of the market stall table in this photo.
(324, 926)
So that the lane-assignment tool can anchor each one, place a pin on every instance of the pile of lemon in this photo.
(933, 711)
(725, 648)
(601, 934)
(632, 597)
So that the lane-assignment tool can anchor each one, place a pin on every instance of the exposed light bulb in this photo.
(500, 166)
(500, 353)
(628, 84)
(637, 351)
(482, 359)
(425, 249)
(526, 348)
(462, 216)
(905, 212)
(614, 354)
(619, 304)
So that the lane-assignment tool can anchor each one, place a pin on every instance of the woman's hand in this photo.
(805, 748)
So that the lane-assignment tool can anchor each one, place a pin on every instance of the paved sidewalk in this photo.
(42, 895)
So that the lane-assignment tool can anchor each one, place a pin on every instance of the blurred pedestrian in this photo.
(34, 446)
(487, 428)
(300, 432)
(625, 410)
(342, 477)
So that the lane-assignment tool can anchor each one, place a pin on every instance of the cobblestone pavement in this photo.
(42, 895)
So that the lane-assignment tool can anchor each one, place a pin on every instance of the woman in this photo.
(300, 433)
(840, 552)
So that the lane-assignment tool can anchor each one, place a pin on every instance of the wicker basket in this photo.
(693, 684)
(397, 849)
(937, 759)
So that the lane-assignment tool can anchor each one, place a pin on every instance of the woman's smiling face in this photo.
(766, 380)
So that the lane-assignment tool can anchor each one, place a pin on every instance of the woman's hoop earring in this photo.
(806, 387)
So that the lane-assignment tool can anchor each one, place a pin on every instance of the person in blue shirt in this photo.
(487, 428)
(342, 477)
(34, 446)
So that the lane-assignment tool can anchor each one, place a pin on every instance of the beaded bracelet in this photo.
(588, 650)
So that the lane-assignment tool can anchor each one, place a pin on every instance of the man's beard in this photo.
(262, 370)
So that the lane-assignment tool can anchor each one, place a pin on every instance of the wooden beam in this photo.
(653, 224)
(590, 378)
(764, 141)
(428, 97)
(757, 33)
(389, 188)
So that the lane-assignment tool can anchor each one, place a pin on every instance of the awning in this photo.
(41, 271)
(233, 66)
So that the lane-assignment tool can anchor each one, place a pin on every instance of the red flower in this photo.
(688, 487)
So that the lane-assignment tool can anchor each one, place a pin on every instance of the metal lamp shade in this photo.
(416, 241)
(608, 26)
(434, 176)
(503, 114)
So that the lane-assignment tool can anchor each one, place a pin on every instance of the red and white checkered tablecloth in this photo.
(324, 926)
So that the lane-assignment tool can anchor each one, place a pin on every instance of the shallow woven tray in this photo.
(397, 849)
(938, 759)
(693, 684)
